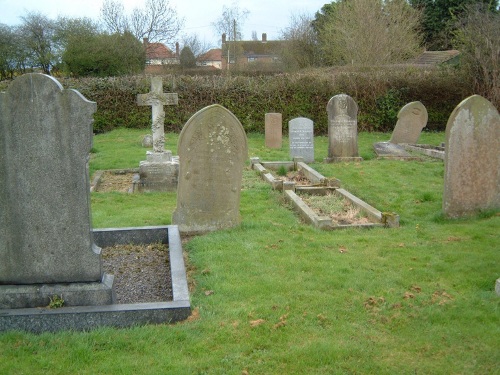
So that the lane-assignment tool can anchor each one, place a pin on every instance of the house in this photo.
(212, 58)
(242, 53)
(160, 54)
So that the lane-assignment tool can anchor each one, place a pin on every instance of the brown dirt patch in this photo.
(115, 181)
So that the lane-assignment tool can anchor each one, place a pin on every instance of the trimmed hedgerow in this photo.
(379, 92)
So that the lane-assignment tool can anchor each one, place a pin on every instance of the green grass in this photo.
(290, 299)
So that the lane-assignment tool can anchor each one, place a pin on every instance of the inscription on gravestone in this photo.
(45, 224)
(301, 135)
(472, 158)
(342, 129)
(212, 150)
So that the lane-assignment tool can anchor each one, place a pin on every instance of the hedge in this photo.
(379, 92)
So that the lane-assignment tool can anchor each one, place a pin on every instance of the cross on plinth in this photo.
(157, 99)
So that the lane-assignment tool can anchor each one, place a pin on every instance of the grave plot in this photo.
(121, 180)
(321, 202)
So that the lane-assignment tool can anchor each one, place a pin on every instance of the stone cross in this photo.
(157, 99)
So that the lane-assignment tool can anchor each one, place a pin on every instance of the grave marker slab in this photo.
(273, 130)
(472, 158)
(212, 150)
(342, 129)
(301, 136)
(46, 242)
(412, 118)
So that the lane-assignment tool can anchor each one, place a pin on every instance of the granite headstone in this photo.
(342, 129)
(212, 149)
(472, 158)
(301, 136)
(412, 118)
(46, 241)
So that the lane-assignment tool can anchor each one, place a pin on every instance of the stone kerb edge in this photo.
(387, 219)
(84, 318)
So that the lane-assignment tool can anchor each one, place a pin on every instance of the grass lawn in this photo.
(276, 296)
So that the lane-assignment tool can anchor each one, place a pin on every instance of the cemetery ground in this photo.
(277, 296)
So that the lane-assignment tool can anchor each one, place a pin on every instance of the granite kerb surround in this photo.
(84, 318)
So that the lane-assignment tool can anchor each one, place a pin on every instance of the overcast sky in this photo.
(266, 16)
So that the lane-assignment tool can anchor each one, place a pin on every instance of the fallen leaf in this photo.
(209, 292)
(258, 322)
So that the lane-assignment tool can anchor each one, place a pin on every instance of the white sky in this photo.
(266, 16)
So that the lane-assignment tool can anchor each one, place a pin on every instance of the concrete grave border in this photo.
(320, 186)
(84, 318)
(436, 152)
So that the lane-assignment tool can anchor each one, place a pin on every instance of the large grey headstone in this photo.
(45, 223)
(301, 136)
(412, 118)
(212, 150)
(472, 158)
(273, 129)
(342, 129)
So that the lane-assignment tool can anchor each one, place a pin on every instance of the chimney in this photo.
(264, 38)
(224, 38)
(177, 49)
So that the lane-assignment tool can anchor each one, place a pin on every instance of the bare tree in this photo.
(302, 45)
(38, 35)
(231, 22)
(197, 46)
(157, 21)
(368, 32)
(478, 38)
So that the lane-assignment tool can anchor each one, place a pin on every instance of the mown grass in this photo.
(276, 296)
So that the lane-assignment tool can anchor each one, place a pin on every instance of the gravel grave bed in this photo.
(141, 272)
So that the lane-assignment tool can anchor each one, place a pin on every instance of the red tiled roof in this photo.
(214, 54)
(158, 51)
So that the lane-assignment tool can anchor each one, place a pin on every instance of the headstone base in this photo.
(160, 172)
(73, 294)
(388, 150)
(342, 159)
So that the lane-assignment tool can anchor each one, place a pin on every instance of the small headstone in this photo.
(159, 172)
(147, 141)
(46, 242)
(301, 136)
(342, 129)
(412, 118)
(472, 158)
(273, 130)
(212, 150)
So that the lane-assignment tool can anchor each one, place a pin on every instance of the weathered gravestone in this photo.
(412, 118)
(212, 149)
(46, 241)
(147, 141)
(273, 130)
(342, 129)
(301, 136)
(159, 172)
(472, 158)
